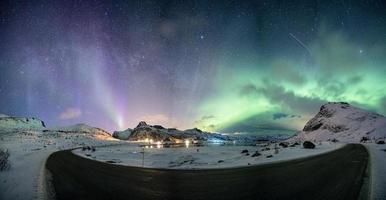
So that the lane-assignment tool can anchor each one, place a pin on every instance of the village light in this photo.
(158, 144)
(187, 142)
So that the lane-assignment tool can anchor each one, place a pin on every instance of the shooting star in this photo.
(300, 42)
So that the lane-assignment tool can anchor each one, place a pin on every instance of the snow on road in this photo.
(378, 170)
(210, 156)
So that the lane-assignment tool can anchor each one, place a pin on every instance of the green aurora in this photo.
(334, 69)
(226, 66)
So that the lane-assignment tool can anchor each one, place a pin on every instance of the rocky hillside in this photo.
(345, 123)
(9, 122)
(159, 133)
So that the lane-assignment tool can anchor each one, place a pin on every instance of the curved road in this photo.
(334, 175)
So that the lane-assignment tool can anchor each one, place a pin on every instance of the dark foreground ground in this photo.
(335, 175)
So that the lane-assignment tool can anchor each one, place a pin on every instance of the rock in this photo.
(364, 139)
(245, 151)
(141, 124)
(256, 154)
(334, 140)
(284, 144)
(294, 144)
(308, 145)
(380, 142)
(266, 149)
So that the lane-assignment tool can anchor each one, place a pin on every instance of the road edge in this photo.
(365, 191)
(45, 189)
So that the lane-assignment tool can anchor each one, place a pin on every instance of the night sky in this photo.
(228, 66)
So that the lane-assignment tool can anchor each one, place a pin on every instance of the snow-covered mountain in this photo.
(122, 135)
(345, 123)
(9, 122)
(144, 131)
(79, 129)
(158, 133)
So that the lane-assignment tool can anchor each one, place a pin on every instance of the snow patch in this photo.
(201, 157)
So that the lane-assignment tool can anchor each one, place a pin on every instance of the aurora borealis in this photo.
(229, 66)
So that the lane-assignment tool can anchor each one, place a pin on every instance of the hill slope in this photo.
(8, 122)
(344, 122)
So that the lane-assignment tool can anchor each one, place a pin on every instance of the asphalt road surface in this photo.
(335, 175)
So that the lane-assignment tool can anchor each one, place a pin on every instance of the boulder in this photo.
(284, 144)
(364, 139)
(380, 142)
(256, 154)
(334, 140)
(245, 151)
(308, 145)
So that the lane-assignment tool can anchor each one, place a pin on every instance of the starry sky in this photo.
(227, 66)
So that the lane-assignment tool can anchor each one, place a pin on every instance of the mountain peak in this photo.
(344, 122)
(335, 105)
(142, 123)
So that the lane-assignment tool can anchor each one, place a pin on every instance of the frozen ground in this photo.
(211, 156)
(28, 152)
(378, 170)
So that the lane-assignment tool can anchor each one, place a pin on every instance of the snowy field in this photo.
(378, 170)
(209, 156)
(28, 152)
